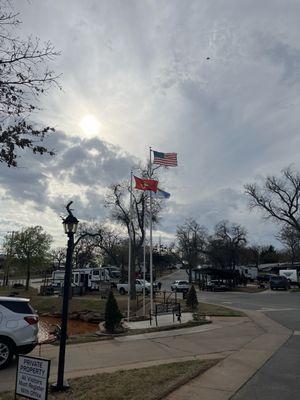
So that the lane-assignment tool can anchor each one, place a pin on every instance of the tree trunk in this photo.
(28, 273)
(6, 275)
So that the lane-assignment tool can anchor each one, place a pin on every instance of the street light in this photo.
(70, 224)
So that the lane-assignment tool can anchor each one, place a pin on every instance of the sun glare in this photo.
(90, 125)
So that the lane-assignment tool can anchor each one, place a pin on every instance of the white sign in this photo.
(32, 377)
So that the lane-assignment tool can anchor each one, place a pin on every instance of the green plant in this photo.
(113, 315)
(191, 299)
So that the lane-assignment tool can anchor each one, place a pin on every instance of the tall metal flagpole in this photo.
(144, 268)
(129, 250)
(150, 249)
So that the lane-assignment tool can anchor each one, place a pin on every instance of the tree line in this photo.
(106, 242)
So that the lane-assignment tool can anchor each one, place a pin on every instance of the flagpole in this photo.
(129, 251)
(144, 266)
(150, 247)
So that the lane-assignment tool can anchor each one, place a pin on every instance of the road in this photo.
(279, 378)
(168, 279)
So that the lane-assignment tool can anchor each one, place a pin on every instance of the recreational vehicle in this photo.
(87, 278)
(291, 275)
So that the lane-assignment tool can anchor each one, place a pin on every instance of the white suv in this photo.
(18, 328)
(180, 286)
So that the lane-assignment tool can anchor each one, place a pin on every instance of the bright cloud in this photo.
(218, 82)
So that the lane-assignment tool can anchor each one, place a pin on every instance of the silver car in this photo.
(18, 328)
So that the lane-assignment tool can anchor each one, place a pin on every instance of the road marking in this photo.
(227, 302)
(276, 309)
(296, 333)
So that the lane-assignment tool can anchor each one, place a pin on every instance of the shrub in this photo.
(191, 299)
(113, 315)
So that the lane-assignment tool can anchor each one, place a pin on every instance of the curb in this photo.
(222, 381)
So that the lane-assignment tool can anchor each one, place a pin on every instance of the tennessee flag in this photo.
(145, 184)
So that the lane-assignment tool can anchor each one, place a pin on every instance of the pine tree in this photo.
(191, 300)
(113, 315)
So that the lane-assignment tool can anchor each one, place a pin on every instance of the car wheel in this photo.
(122, 291)
(6, 352)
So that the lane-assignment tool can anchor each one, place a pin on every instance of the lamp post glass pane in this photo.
(70, 227)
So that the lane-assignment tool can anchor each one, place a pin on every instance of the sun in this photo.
(90, 125)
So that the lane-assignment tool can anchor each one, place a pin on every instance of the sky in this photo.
(216, 81)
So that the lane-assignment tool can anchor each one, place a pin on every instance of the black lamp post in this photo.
(70, 224)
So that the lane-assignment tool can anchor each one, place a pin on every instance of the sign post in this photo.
(32, 377)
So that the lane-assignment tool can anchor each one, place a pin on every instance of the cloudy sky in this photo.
(140, 68)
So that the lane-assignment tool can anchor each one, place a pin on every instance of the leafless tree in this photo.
(58, 256)
(226, 243)
(117, 201)
(24, 77)
(192, 241)
(290, 238)
(278, 198)
(102, 236)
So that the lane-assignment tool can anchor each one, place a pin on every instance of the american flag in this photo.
(167, 159)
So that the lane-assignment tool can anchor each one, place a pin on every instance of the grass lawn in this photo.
(217, 311)
(150, 383)
(53, 304)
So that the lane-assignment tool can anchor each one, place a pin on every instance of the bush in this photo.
(191, 299)
(113, 315)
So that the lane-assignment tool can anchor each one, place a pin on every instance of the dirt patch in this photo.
(75, 327)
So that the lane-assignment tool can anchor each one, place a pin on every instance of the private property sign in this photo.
(32, 377)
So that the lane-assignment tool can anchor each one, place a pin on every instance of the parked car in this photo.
(18, 328)
(279, 282)
(180, 286)
(139, 285)
(215, 285)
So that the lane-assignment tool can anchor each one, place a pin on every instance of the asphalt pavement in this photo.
(279, 377)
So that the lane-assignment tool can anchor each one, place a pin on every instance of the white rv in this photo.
(291, 275)
(89, 278)
(248, 272)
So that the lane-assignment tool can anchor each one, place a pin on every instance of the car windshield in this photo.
(278, 278)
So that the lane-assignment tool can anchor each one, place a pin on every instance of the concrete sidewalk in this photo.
(222, 338)
(222, 381)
